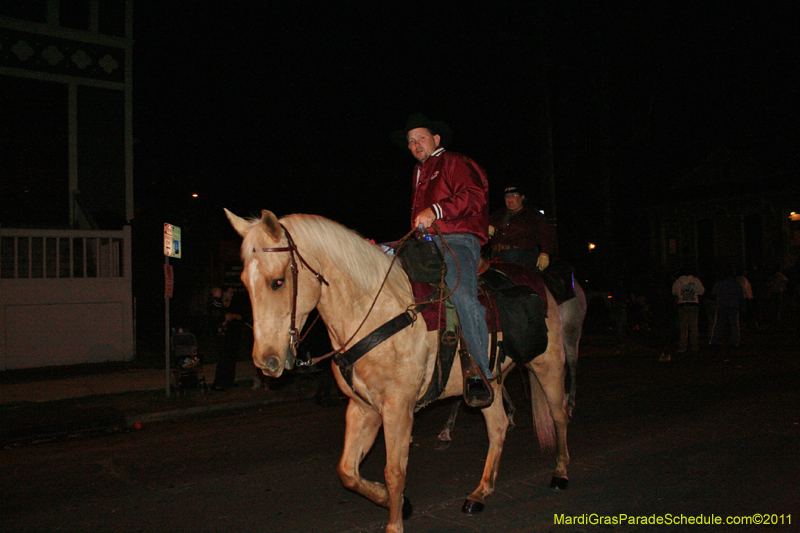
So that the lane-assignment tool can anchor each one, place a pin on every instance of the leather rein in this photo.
(348, 357)
(294, 254)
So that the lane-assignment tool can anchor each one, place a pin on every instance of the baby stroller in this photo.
(187, 370)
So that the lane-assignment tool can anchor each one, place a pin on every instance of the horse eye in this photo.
(277, 284)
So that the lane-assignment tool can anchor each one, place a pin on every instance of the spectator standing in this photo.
(229, 332)
(619, 312)
(215, 312)
(729, 295)
(687, 290)
(776, 286)
(746, 312)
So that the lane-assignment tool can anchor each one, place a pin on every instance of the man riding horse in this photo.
(451, 190)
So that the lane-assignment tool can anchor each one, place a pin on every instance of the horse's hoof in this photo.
(442, 444)
(408, 509)
(559, 483)
(471, 507)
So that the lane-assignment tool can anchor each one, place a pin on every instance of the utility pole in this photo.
(546, 127)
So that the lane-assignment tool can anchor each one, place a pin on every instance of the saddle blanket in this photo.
(515, 274)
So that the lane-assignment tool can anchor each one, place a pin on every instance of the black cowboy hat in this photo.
(514, 189)
(418, 120)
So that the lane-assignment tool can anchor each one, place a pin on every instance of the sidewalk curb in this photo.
(83, 423)
(208, 409)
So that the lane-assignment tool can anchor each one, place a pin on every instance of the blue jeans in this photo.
(471, 314)
(726, 315)
(687, 327)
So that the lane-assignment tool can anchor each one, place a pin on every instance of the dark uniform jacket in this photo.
(526, 229)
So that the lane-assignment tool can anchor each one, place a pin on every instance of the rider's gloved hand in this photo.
(543, 261)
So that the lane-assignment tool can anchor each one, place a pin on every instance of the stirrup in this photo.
(478, 390)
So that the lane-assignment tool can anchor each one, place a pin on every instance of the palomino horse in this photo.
(572, 312)
(301, 262)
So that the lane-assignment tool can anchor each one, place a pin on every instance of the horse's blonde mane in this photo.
(364, 263)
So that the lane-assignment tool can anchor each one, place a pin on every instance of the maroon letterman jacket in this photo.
(456, 189)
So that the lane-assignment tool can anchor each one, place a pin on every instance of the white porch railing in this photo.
(65, 297)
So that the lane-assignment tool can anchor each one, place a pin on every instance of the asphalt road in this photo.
(714, 437)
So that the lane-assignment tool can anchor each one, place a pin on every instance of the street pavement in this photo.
(65, 388)
(52, 418)
(60, 421)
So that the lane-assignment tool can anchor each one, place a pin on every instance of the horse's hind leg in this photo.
(444, 440)
(508, 405)
(549, 404)
(572, 338)
(572, 314)
(496, 426)
(573, 376)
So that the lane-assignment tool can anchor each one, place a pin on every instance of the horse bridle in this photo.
(293, 251)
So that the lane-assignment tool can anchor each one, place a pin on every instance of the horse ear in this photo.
(238, 223)
(271, 224)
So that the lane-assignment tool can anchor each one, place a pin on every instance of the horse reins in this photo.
(292, 249)
(413, 309)
(395, 324)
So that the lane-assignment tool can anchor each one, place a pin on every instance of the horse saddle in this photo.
(516, 305)
(521, 304)
(559, 278)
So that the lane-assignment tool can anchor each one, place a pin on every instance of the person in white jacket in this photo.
(687, 290)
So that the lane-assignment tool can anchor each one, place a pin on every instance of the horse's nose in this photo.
(273, 364)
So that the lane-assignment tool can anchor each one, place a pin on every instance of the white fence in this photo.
(65, 297)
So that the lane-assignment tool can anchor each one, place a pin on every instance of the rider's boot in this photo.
(478, 390)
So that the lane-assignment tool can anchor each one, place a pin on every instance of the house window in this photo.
(34, 159)
(706, 246)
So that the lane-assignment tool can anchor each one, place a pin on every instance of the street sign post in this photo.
(172, 248)
(172, 241)
(169, 280)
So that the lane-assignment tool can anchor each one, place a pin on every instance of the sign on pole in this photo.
(172, 248)
(172, 241)
(169, 281)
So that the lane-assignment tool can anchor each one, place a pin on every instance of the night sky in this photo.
(290, 106)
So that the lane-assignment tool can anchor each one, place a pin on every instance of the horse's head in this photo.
(267, 274)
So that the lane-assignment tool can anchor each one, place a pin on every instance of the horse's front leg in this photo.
(363, 424)
(496, 427)
(397, 424)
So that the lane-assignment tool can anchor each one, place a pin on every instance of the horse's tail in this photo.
(542, 419)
